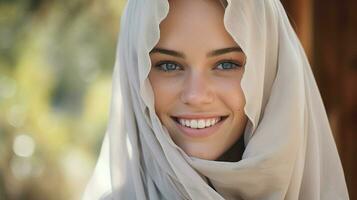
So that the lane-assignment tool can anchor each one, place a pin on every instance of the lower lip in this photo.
(198, 133)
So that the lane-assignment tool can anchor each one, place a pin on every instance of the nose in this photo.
(197, 90)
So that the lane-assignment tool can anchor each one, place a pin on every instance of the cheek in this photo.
(230, 89)
(164, 93)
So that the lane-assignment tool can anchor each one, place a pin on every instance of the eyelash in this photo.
(235, 64)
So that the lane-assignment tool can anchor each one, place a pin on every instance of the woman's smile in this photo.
(196, 127)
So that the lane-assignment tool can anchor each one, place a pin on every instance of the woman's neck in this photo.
(234, 153)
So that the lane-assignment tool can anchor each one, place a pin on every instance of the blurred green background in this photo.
(56, 61)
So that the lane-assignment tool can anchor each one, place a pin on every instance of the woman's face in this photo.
(196, 73)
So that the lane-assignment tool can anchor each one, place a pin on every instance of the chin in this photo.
(205, 155)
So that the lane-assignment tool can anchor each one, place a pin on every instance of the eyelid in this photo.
(167, 61)
(235, 62)
(157, 65)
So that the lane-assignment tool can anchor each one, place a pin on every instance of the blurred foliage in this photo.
(56, 60)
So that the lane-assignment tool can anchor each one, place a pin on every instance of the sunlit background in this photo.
(56, 62)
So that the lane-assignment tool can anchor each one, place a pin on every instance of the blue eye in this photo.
(228, 65)
(168, 66)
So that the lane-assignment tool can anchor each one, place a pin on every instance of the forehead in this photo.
(194, 23)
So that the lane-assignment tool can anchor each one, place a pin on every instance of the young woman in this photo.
(214, 100)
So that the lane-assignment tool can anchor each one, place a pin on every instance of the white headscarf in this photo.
(290, 152)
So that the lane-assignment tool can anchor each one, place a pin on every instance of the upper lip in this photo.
(198, 116)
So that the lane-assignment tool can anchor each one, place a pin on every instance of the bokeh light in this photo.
(24, 145)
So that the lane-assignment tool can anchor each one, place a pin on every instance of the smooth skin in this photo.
(196, 71)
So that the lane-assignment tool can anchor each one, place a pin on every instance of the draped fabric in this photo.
(289, 149)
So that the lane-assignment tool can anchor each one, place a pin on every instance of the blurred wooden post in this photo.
(328, 30)
(300, 13)
(335, 58)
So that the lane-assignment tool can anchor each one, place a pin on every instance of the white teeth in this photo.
(182, 121)
(199, 123)
(187, 123)
(194, 123)
(208, 122)
(213, 121)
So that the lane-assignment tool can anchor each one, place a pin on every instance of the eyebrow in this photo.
(168, 52)
(182, 55)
